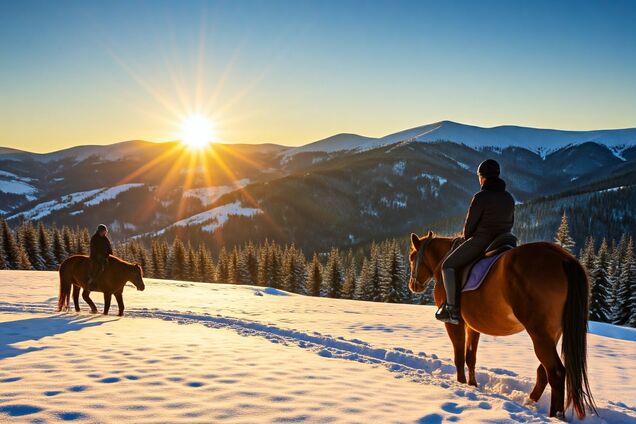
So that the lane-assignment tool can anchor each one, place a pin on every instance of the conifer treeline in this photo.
(380, 276)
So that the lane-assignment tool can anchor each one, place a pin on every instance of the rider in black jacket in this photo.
(99, 252)
(491, 213)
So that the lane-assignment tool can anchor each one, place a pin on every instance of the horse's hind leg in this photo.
(87, 299)
(457, 335)
(76, 293)
(545, 348)
(107, 298)
(120, 303)
(539, 387)
(472, 341)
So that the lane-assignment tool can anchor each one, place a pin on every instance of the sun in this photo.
(197, 132)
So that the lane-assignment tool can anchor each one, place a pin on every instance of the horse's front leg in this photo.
(472, 340)
(107, 298)
(458, 337)
(76, 292)
(87, 299)
(120, 302)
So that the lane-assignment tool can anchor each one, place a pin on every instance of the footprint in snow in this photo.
(452, 408)
(109, 380)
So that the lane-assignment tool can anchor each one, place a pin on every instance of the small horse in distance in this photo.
(539, 287)
(74, 272)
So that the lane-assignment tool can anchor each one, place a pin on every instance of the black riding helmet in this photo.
(489, 169)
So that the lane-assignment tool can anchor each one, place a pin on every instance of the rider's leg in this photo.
(452, 265)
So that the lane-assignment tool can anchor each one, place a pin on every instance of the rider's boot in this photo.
(449, 311)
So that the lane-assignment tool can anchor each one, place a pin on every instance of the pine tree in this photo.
(600, 289)
(587, 256)
(205, 267)
(68, 240)
(332, 276)
(294, 271)
(156, 257)
(222, 267)
(625, 286)
(10, 247)
(44, 243)
(314, 277)
(192, 264)
(396, 290)
(350, 280)
(563, 237)
(59, 252)
(374, 278)
(177, 269)
(29, 243)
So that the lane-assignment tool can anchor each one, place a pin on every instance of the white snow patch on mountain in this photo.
(17, 187)
(46, 208)
(214, 218)
(399, 168)
(209, 195)
(111, 193)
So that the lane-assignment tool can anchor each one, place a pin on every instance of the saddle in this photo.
(474, 273)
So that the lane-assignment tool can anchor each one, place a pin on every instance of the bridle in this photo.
(419, 260)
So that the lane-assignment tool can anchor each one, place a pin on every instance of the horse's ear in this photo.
(415, 241)
(430, 234)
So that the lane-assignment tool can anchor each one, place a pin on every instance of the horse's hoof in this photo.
(560, 416)
(94, 311)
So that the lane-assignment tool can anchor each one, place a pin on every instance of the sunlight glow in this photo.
(197, 132)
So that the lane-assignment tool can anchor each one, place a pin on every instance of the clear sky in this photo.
(291, 72)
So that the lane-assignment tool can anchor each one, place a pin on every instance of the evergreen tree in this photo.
(192, 264)
(600, 289)
(157, 259)
(251, 263)
(222, 267)
(294, 271)
(177, 269)
(332, 276)
(68, 240)
(314, 277)
(625, 286)
(563, 237)
(205, 267)
(46, 251)
(374, 278)
(350, 280)
(29, 243)
(10, 247)
(59, 252)
(396, 289)
(588, 256)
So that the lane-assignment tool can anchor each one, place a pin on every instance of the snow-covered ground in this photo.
(189, 352)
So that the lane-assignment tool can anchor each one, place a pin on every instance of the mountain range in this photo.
(344, 190)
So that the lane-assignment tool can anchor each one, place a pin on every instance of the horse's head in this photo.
(137, 277)
(421, 272)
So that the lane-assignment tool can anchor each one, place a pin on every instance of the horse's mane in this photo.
(120, 261)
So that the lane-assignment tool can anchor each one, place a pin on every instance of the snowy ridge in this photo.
(87, 198)
(209, 195)
(213, 218)
(539, 140)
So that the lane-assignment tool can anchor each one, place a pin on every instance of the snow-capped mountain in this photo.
(538, 140)
(343, 190)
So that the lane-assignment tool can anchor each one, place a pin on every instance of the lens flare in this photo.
(197, 132)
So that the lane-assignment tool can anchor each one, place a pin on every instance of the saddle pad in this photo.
(479, 271)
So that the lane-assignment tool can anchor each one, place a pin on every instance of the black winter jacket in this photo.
(100, 247)
(491, 212)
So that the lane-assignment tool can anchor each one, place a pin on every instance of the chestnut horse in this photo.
(74, 272)
(538, 287)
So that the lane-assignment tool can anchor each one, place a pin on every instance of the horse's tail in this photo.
(574, 344)
(65, 288)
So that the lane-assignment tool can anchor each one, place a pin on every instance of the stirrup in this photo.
(444, 314)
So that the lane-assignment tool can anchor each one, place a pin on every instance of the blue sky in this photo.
(290, 72)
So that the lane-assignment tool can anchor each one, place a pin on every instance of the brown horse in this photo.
(538, 287)
(74, 272)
